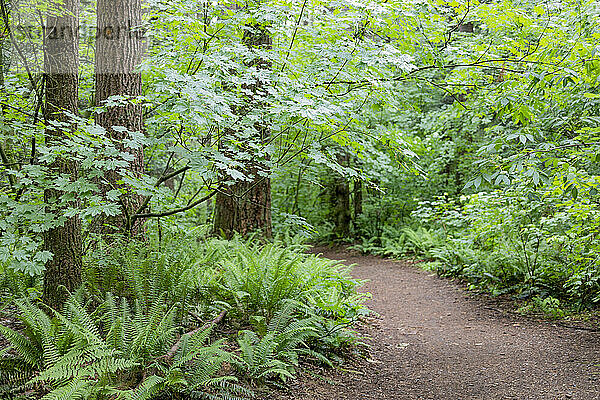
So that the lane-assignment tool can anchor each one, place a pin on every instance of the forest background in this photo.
(162, 164)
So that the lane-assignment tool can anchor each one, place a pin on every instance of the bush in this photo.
(516, 241)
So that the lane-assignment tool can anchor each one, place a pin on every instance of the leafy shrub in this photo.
(402, 242)
(548, 306)
(515, 241)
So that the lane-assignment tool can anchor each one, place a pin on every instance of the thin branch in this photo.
(177, 210)
(191, 199)
(20, 53)
(207, 325)
(173, 174)
(206, 43)
(437, 85)
(562, 147)
(160, 180)
(180, 185)
(287, 56)
(6, 161)
(458, 25)
(478, 64)
(17, 110)
(539, 40)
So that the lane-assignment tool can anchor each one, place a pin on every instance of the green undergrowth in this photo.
(189, 317)
(541, 251)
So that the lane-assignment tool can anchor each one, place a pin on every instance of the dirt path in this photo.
(432, 342)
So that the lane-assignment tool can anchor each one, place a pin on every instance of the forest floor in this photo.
(432, 340)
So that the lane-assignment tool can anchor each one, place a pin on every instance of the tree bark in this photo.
(340, 202)
(119, 48)
(358, 198)
(245, 206)
(244, 209)
(4, 30)
(358, 206)
(61, 63)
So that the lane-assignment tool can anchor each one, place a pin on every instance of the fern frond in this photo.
(284, 316)
(316, 355)
(23, 346)
(74, 390)
(78, 321)
(148, 388)
(14, 373)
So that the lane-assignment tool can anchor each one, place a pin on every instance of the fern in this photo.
(74, 390)
(82, 354)
(259, 358)
(14, 373)
(112, 338)
(30, 352)
(276, 353)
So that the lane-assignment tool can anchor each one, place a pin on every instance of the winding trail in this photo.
(431, 341)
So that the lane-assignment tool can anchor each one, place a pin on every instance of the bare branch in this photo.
(177, 210)
(207, 325)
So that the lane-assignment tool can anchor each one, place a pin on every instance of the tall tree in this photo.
(61, 63)
(245, 206)
(119, 49)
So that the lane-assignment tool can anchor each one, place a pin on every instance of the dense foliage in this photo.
(189, 316)
(460, 131)
(508, 199)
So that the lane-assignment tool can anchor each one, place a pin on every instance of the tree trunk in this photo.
(61, 62)
(357, 199)
(245, 206)
(119, 48)
(244, 209)
(340, 202)
(4, 30)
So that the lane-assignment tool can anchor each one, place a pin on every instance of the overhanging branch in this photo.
(176, 210)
